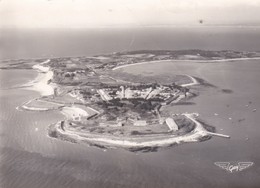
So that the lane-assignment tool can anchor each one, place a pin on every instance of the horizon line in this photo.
(140, 26)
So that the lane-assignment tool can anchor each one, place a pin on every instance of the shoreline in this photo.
(194, 82)
(198, 134)
(72, 112)
(181, 60)
(25, 107)
(40, 83)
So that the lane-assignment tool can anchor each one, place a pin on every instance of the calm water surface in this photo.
(30, 159)
(38, 43)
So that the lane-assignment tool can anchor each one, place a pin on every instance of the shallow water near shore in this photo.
(29, 158)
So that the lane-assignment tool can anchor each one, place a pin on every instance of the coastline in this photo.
(196, 61)
(199, 133)
(131, 143)
(194, 81)
(40, 83)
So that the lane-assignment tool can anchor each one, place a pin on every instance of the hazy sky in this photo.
(99, 13)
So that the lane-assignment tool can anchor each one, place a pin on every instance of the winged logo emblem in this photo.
(234, 167)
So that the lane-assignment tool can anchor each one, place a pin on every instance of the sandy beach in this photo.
(42, 68)
(40, 83)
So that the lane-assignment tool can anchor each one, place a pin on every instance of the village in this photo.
(135, 109)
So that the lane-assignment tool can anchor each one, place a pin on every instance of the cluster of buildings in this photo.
(160, 94)
(114, 115)
(147, 92)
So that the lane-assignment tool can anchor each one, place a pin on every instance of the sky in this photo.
(117, 13)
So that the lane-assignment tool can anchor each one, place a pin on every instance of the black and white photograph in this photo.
(129, 93)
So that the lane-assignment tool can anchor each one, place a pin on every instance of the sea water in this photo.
(40, 43)
(29, 158)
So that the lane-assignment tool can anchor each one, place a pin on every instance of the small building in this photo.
(171, 124)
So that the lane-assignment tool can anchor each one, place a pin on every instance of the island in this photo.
(107, 108)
